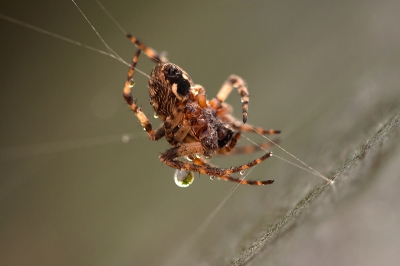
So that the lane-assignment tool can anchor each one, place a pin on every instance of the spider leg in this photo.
(197, 93)
(186, 149)
(199, 160)
(160, 133)
(172, 135)
(177, 137)
(169, 124)
(251, 128)
(233, 82)
(246, 182)
(151, 53)
(238, 125)
(248, 149)
(132, 102)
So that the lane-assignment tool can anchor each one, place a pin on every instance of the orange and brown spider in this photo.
(191, 124)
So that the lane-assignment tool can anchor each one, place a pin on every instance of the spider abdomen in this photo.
(167, 86)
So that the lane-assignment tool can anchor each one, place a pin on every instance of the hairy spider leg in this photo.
(238, 125)
(150, 52)
(144, 121)
(248, 148)
(237, 82)
(245, 181)
(186, 149)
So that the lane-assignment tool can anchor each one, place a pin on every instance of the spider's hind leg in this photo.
(240, 126)
(169, 158)
(249, 148)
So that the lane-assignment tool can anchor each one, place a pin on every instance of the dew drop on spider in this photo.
(242, 172)
(188, 158)
(212, 177)
(131, 83)
(183, 178)
(155, 115)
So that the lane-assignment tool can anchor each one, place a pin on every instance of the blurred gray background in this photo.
(73, 193)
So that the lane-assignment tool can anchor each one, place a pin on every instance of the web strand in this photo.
(308, 168)
(111, 51)
(112, 17)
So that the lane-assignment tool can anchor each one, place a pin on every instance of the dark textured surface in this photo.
(356, 232)
(73, 193)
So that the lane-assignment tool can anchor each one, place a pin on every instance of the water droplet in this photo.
(188, 158)
(242, 172)
(125, 138)
(131, 83)
(155, 115)
(242, 100)
(183, 178)
(197, 155)
(212, 177)
(144, 129)
(207, 156)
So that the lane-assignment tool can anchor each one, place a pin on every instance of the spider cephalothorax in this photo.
(195, 127)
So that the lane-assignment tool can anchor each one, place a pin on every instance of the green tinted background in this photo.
(72, 193)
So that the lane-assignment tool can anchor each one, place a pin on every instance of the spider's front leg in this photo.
(132, 102)
(187, 149)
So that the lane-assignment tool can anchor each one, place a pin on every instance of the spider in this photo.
(196, 128)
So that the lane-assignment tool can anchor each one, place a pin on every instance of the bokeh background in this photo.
(72, 192)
